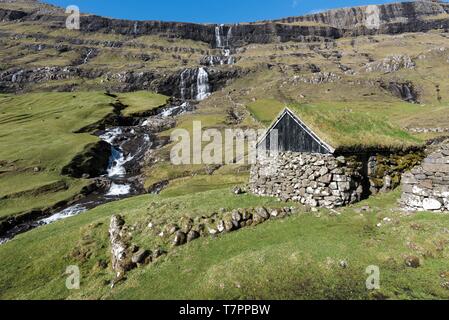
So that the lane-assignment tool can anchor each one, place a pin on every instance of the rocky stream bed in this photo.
(129, 140)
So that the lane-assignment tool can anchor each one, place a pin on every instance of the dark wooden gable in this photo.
(294, 136)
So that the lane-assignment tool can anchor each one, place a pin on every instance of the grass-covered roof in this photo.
(343, 127)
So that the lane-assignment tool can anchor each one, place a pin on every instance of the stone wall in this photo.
(317, 180)
(384, 171)
(426, 187)
(325, 180)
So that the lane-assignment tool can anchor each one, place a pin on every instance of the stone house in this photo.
(309, 170)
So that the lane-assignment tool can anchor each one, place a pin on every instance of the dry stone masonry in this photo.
(124, 255)
(317, 180)
(426, 187)
(326, 180)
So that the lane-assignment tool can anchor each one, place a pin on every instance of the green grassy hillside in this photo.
(38, 135)
(300, 257)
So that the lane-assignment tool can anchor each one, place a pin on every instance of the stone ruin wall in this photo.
(426, 187)
(324, 180)
(317, 180)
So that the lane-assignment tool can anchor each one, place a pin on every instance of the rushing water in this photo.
(194, 82)
(64, 214)
(218, 40)
(89, 53)
(137, 140)
(202, 84)
(117, 190)
(221, 40)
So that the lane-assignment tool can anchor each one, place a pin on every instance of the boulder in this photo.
(140, 256)
(262, 214)
(179, 239)
(238, 191)
(412, 262)
(236, 216)
(192, 235)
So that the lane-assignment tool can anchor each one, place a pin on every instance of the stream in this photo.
(129, 145)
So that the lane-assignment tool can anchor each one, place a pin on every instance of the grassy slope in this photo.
(141, 101)
(294, 258)
(37, 130)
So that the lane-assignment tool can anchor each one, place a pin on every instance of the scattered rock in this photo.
(140, 256)
(158, 253)
(238, 191)
(412, 262)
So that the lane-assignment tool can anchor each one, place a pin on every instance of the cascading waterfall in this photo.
(194, 84)
(202, 84)
(229, 37)
(222, 42)
(229, 58)
(219, 35)
(183, 84)
(125, 140)
(89, 53)
(218, 40)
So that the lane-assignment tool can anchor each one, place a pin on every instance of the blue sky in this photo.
(207, 11)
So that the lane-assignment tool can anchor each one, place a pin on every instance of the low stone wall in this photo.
(426, 187)
(384, 171)
(316, 180)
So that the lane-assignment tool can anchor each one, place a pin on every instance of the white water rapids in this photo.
(117, 174)
(64, 214)
(202, 84)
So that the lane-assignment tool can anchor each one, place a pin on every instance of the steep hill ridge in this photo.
(417, 16)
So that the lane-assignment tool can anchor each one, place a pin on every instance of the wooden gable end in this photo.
(294, 136)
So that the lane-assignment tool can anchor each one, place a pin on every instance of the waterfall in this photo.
(183, 84)
(219, 35)
(202, 84)
(229, 59)
(89, 53)
(229, 37)
(218, 41)
(194, 84)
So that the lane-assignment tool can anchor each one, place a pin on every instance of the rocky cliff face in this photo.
(418, 16)
(350, 18)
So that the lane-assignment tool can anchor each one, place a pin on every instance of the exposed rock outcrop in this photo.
(391, 64)
(404, 90)
(387, 19)
(93, 161)
(124, 255)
